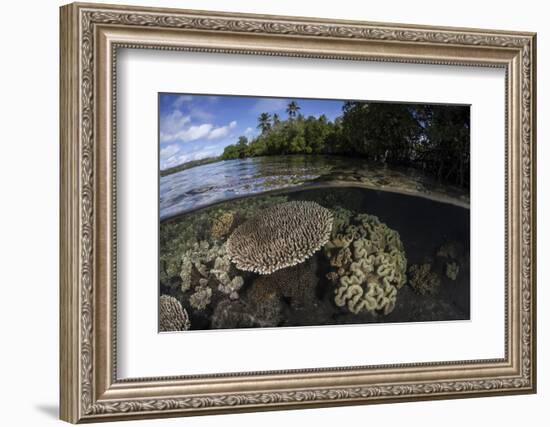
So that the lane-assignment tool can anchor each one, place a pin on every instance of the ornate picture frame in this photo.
(90, 37)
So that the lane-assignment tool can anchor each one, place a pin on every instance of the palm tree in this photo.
(276, 119)
(264, 122)
(292, 109)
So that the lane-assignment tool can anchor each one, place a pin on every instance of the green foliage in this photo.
(237, 151)
(445, 152)
(264, 122)
(292, 109)
(433, 138)
(380, 132)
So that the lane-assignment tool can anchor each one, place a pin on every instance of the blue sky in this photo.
(193, 127)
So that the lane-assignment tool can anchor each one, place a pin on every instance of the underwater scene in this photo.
(366, 220)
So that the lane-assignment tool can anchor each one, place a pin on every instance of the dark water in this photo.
(424, 226)
(203, 185)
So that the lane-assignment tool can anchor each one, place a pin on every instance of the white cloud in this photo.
(191, 133)
(174, 122)
(180, 100)
(195, 132)
(199, 114)
(219, 132)
(169, 150)
(248, 131)
(195, 155)
(168, 163)
(222, 131)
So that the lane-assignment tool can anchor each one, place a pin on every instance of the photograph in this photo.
(281, 212)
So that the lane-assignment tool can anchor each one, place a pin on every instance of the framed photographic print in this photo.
(265, 212)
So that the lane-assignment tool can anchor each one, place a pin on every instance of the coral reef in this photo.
(297, 284)
(172, 316)
(178, 236)
(221, 225)
(201, 297)
(197, 256)
(230, 314)
(370, 261)
(451, 270)
(451, 249)
(281, 236)
(210, 261)
(264, 303)
(221, 270)
(423, 280)
(332, 276)
(452, 253)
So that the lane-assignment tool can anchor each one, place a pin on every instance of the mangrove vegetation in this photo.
(431, 138)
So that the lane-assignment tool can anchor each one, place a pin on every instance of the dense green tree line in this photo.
(433, 138)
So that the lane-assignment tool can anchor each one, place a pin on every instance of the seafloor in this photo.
(429, 242)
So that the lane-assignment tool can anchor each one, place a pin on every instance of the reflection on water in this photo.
(203, 185)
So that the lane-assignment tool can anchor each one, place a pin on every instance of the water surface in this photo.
(201, 186)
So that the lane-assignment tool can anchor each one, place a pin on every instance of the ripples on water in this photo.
(203, 185)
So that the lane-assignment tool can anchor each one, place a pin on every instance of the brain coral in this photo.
(371, 262)
(279, 237)
(172, 317)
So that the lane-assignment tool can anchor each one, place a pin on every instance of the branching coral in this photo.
(281, 236)
(200, 299)
(198, 256)
(178, 236)
(423, 280)
(172, 316)
(371, 262)
(210, 261)
(227, 285)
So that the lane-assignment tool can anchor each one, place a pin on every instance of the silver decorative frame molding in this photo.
(90, 37)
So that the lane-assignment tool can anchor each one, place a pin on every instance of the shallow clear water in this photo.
(424, 226)
(201, 186)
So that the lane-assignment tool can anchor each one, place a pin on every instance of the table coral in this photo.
(179, 236)
(281, 236)
(172, 316)
(371, 260)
